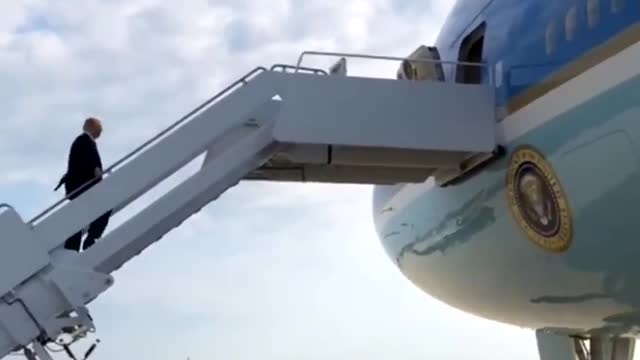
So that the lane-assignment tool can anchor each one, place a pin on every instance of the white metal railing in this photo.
(5, 206)
(297, 68)
(285, 67)
(395, 58)
(111, 169)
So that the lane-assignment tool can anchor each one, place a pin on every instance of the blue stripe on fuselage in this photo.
(515, 37)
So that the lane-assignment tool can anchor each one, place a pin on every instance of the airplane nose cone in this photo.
(382, 195)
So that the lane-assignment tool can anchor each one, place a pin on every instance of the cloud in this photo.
(279, 271)
(148, 62)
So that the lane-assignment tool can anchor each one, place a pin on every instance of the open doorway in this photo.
(471, 51)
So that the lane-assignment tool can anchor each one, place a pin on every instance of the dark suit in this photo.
(83, 160)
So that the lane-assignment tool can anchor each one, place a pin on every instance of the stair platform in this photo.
(303, 126)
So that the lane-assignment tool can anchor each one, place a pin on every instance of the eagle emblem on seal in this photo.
(537, 201)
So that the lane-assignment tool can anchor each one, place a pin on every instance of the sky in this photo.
(269, 271)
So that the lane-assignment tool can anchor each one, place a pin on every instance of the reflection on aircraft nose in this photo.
(381, 197)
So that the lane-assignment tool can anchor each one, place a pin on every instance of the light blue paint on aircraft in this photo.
(461, 244)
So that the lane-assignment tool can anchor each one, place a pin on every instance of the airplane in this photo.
(505, 186)
(546, 237)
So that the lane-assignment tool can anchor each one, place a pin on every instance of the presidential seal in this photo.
(537, 201)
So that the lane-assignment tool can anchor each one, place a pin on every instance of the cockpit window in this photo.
(550, 37)
(593, 12)
(570, 23)
(616, 6)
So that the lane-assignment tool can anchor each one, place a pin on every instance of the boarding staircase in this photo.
(285, 123)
